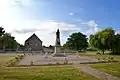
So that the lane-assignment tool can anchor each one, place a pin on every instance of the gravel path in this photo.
(41, 60)
(96, 73)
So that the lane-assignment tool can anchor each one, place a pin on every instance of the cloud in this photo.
(23, 31)
(21, 3)
(15, 20)
(49, 27)
(71, 14)
(45, 30)
(93, 27)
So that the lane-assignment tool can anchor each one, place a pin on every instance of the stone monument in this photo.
(57, 50)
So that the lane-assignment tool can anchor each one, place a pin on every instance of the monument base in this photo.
(58, 52)
(59, 55)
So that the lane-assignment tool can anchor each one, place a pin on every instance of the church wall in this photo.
(33, 44)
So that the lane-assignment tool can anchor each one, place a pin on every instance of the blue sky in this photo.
(22, 18)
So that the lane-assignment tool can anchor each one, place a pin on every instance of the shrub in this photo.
(21, 56)
(16, 58)
(110, 58)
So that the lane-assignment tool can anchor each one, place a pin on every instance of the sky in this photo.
(22, 18)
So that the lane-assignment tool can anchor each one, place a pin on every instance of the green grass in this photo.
(44, 73)
(5, 58)
(111, 68)
(106, 56)
(40, 72)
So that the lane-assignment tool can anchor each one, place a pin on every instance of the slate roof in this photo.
(34, 35)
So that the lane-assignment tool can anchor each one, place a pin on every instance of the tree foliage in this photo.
(7, 42)
(51, 47)
(105, 40)
(77, 41)
(65, 46)
(116, 45)
(2, 31)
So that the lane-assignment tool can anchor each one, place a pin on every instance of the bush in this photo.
(21, 56)
(16, 58)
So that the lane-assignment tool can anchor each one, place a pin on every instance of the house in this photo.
(33, 43)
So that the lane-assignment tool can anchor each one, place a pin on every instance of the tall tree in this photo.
(9, 42)
(103, 40)
(2, 31)
(117, 44)
(77, 41)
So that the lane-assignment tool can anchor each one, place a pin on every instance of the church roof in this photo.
(34, 35)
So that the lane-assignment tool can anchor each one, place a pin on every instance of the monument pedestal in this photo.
(58, 52)
(59, 55)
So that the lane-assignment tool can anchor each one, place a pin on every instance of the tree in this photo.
(20, 47)
(2, 31)
(95, 42)
(65, 46)
(51, 47)
(8, 42)
(104, 40)
(117, 44)
(77, 41)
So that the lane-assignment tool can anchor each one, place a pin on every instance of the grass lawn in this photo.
(44, 73)
(106, 56)
(5, 58)
(41, 72)
(111, 68)
(115, 57)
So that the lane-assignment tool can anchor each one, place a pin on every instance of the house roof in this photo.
(34, 35)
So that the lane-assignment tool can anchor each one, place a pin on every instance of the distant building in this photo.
(33, 43)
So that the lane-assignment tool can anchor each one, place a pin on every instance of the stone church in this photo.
(33, 43)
